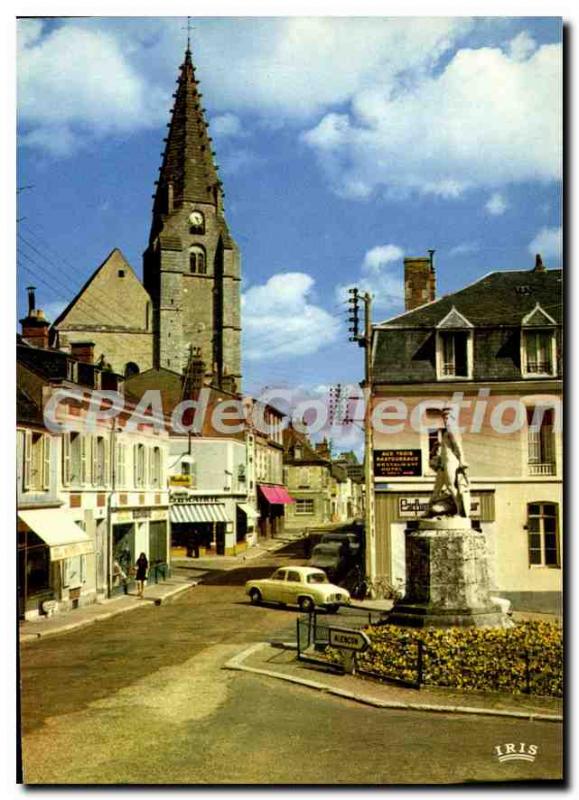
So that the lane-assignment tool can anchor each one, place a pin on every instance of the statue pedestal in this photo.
(447, 579)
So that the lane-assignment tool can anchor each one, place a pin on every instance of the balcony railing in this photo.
(542, 469)
(539, 367)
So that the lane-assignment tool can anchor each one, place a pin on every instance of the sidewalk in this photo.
(158, 593)
(282, 664)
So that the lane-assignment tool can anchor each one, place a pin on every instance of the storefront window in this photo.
(123, 552)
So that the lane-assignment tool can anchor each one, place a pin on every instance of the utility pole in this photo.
(365, 340)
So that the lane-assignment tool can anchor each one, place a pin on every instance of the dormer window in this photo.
(454, 346)
(538, 350)
(538, 345)
(197, 260)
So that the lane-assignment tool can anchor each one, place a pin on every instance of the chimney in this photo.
(539, 266)
(82, 351)
(31, 299)
(419, 281)
(35, 326)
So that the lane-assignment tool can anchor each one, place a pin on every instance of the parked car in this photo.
(332, 557)
(302, 586)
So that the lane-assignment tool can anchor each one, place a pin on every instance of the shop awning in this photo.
(64, 537)
(275, 494)
(198, 512)
(248, 510)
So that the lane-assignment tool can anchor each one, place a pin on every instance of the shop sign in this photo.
(415, 506)
(397, 463)
(159, 513)
(181, 480)
(141, 513)
(122, 516)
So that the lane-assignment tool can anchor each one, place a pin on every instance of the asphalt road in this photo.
(141, 698)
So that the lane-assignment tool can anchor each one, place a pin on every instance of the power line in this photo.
(100, 311)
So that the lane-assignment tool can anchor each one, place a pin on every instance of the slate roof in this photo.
(404, 349)
(27, 411)
(499, 298)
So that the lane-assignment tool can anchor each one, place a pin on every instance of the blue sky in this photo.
(344, 145)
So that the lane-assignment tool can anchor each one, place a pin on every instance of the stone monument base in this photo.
(447, 578)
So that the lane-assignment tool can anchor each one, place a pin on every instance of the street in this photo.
(141, 698)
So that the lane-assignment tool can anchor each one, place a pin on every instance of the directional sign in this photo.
(347, 639)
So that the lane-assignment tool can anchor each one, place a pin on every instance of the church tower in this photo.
(191, 267)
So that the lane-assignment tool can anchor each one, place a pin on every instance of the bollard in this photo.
(349, 657)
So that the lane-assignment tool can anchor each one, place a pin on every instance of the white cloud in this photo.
(280, 319)
(549, 243)
(522, 46)
(496, 204)
(381, 276)
(299, 66)
(226, 125)
(105, 75)
(378, 257)
(75, 83)
(463, 249)
(485, 120)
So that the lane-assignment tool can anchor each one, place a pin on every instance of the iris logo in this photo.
(516, 752)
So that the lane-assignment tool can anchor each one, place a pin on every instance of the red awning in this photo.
(276, 495)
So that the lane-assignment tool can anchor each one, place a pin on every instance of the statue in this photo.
(451, 493)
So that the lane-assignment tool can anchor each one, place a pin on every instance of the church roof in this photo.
(188, 159)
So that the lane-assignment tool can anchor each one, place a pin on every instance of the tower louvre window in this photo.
(197, 260)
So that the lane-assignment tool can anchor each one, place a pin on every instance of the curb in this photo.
(236, 663)
(71, 626)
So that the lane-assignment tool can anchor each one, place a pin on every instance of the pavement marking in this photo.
(236, 663)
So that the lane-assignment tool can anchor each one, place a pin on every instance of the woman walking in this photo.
(142, 568)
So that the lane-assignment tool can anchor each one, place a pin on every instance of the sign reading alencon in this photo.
(346, 639)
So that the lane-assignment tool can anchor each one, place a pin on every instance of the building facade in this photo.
(91, 496)
(213, 511)
(491, 351)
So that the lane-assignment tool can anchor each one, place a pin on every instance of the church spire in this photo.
(188, 172)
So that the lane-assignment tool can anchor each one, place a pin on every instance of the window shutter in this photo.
(19, 458)
(151, 466)
(83, 569)
(27, 460)
(123, 470)
(120, 476)
(66, 466)
(46, 447)
(95, 460)
(107, 469)
(84, 459)
(135, 465)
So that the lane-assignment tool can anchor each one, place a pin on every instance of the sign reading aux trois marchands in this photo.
(397, 463)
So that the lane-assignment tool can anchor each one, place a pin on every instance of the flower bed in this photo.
(525, 658)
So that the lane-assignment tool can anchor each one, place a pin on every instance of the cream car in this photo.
(305, 587)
